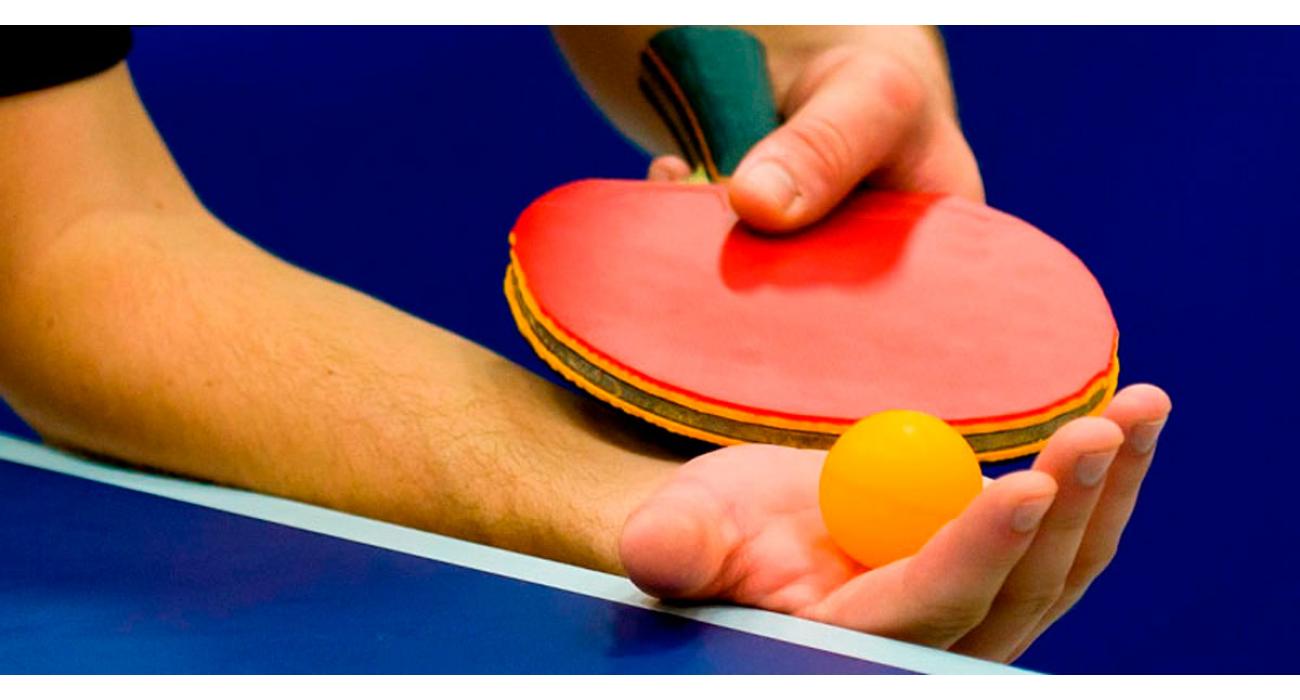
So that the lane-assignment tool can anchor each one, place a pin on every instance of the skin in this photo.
(139, 327)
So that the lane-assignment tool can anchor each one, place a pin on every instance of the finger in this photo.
(944, 162)
(1140, 411)
(668, 169)
(937, 595)
(1077, 458)
(675, 545)
(859, 106)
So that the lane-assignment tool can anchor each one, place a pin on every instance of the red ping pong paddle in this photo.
(656, 299)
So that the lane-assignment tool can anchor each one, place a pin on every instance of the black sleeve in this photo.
(32, 58)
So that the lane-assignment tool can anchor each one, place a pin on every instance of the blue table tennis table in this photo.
(106, 569)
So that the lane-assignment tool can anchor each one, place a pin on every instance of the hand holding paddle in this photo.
(864, 105)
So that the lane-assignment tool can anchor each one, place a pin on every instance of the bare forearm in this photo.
(164, 339)
(189, 350)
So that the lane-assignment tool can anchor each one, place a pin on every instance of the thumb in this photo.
(676, 544)
(858, 111)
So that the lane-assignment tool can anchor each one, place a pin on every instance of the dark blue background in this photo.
(395, 160)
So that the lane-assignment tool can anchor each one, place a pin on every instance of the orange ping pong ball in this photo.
(891, 481)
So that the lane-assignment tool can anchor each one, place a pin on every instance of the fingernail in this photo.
(773, 183)
(1091, 468)
(1027, 516)
(1144, 436)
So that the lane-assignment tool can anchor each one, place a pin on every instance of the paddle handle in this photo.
(711, 87)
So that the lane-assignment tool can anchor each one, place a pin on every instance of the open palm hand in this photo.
(742, 524)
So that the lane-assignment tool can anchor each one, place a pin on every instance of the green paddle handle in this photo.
(711, 88)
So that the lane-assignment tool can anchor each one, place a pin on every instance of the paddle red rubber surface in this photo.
(895, 301)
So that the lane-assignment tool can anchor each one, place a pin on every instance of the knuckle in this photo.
(1070, 521)
(880, 74)
(949, 620)
(1035, 602)
(826, 143)
(895, 82)
(888, 98)
(943, 617)
(1094, 561)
